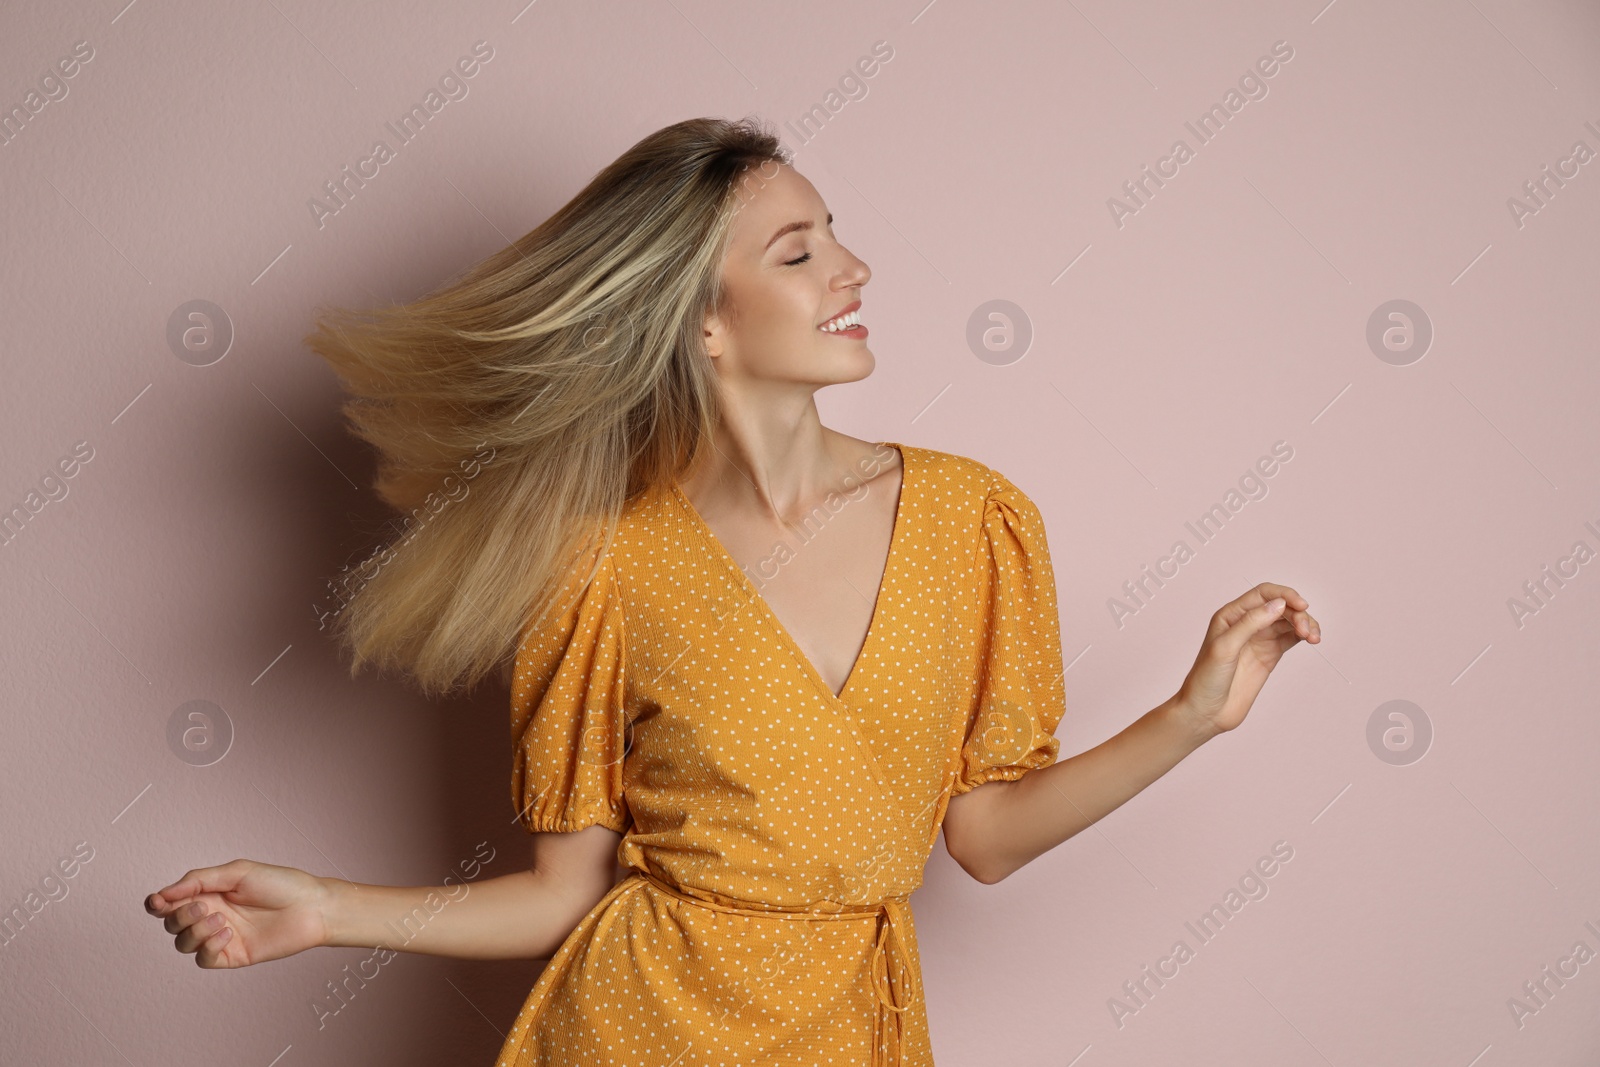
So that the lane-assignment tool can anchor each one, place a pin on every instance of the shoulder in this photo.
(640, 514)
(963, 478)
(977, 505)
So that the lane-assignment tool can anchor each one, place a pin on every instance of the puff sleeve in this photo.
(568, 722)
(1020, 697)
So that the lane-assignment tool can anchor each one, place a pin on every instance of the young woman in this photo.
(757, 663)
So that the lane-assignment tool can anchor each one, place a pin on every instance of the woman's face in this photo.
(785, 276)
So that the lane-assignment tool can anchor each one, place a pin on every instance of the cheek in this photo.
(780, 346)
(783, 315)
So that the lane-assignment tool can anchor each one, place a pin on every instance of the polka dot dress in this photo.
(774, 831)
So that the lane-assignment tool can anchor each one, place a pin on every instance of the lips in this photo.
(854, 305)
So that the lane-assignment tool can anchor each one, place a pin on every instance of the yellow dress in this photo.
(773, 830)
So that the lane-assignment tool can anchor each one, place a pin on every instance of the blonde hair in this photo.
(517, 408)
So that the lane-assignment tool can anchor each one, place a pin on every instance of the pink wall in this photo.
(1173, 345)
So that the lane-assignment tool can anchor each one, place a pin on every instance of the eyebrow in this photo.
(791, 227)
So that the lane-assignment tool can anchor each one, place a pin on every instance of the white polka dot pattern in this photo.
(669, 703)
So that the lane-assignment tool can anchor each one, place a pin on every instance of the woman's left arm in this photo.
(1000, 826)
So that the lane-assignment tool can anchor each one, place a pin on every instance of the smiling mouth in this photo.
(846, 325)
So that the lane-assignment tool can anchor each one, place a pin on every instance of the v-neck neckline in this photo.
(874, 624)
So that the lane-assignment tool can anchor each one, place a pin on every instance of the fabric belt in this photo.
(888, 982)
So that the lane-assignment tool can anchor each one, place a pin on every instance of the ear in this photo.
(714, 333)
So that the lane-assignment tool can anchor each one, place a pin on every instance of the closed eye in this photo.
(797, 262)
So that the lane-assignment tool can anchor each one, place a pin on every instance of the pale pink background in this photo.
(1228, 314)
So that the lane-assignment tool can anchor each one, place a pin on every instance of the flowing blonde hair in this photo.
(517, 408)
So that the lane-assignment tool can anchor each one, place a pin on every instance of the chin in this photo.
(859, 366)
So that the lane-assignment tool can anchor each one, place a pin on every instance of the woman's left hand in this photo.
(1246, 639)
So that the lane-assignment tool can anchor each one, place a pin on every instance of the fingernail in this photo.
(1275, 605)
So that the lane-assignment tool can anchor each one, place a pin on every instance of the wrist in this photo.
(1180, 716)
(333, 904)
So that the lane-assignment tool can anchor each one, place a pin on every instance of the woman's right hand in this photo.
(243, 912)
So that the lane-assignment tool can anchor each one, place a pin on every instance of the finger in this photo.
(1303, 623)
(1287, 641)
(163, 901)
(201, 880)
(1230, 613)
(185, 916)
(1255, 620)
(1283, 632)
(1270, 590)
(210, 954)
(197, 933)
(1305, 626)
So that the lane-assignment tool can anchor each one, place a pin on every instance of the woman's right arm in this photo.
(246, 912)
(525, 915)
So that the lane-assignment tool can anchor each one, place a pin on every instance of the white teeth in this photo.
(843, 322)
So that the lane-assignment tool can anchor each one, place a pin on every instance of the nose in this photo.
(853, 273)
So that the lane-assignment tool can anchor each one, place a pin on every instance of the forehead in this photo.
(771, 198)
